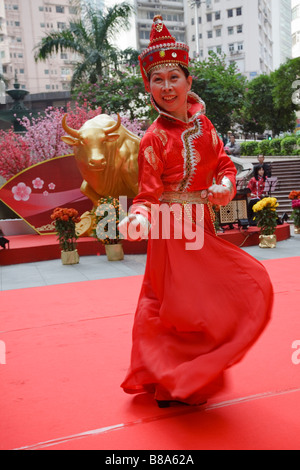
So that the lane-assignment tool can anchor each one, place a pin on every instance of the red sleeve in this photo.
(150, 169)
(251, 184)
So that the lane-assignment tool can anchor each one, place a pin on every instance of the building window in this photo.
(239, 28)
(296, 12)
(231, 47)
(217, 15)
(209, 17)
(239, 11)
(60, 9)
(230, 13)
(230, 30)
(209, 34)
(218, 32)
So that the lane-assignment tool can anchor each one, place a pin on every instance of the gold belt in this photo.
(192, 197)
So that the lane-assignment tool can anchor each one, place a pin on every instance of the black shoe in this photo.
(168, 403)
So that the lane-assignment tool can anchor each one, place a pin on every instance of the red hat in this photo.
(162, 50)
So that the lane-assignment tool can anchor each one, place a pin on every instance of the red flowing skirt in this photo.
(198, 313)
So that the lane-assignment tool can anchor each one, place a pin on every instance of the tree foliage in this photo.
(120, 92)
(222, 88)
(91, 38)
(269, 103)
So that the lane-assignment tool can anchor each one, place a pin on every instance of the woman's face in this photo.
(169, 87)
(261, 172)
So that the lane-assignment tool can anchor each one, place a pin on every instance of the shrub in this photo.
(264, 147)
(275, 146)
(249, 148)
(288, 145)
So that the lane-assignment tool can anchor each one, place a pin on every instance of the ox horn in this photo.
(114, 127)
(69, 130)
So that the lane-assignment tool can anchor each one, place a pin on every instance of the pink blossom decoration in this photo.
(51, 186)
(45, 193)
(21, 192)
(38, 183)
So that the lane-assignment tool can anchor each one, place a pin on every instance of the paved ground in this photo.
(52, 272)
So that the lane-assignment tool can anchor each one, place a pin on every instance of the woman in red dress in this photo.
(257, 187)
(201, 306)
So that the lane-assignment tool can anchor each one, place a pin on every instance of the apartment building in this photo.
(295, 28)
(281, 27)
(173, 12)
(23, 24)
(241, 29)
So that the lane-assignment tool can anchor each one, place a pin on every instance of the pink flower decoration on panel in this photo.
(38, 183)
(45, 193)
(21, 192)
(51, 186)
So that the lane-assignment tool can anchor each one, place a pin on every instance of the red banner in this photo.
(33, 193)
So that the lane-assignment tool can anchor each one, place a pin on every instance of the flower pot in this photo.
(114, 252)
(70, 257)
(267, 241)
(297, 230)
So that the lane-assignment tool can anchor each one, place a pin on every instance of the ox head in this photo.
(90, 142)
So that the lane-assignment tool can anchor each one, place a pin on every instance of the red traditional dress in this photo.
(257, 187)
(199, 311)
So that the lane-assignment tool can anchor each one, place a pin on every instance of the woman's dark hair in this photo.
(256, 170)
(184, 69)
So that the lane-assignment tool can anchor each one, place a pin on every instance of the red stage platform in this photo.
(67, 350)
(33, 248)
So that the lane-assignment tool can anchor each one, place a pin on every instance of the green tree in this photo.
(268, 103)
(222, 88)
(119, 92)
(283, 80)
(258, 106)
(91, 38)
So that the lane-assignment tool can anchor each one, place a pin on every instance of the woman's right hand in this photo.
(134, 227)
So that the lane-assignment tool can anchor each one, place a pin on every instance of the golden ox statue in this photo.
(107, 157)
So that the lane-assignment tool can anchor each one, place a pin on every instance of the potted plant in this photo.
(107, 218)
(266, 217)
(295, 215)
(65, 221)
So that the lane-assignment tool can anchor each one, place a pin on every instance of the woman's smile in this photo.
(169, 88)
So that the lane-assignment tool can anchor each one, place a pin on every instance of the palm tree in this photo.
(90, 37)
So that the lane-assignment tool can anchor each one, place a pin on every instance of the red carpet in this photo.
(67, 350)
(33, 248)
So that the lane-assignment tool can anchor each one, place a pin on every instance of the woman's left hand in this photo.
(219, 195)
